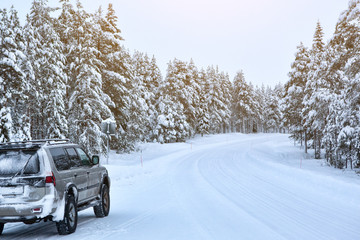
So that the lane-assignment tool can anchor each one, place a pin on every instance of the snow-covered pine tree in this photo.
(203, 116)
(155, 80)
(148, 77)
(316, 92)
(46, 53)
(344, 130)
(260, 97)
(225, 90)
(180, 80)
(14, 67)
(193, 89)
(271, 113)
(20, 111)
(120, 82)
(8, 71)
(294, 94)
(218, 104)
(88, 104)
(245, 108)
(171, 122)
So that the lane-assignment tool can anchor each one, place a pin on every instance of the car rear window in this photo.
(13, 162)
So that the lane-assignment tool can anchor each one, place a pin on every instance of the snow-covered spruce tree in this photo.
(88, 104)
(343, 130)
(337, 80)
(257, 116)
(126, 80)
(192, 89)
(218, 100)
(46, 53)
(225, 93)
(145, 90)
(271, 112)
(118, 81)
(260, 97)
(203, 116)
(152, 85)
(294, 94)
(8, 71)
(316, 92)
(184, 88)
(14, 67)
(147, 76)
(20, 111)
(171, 122)
(245, 109)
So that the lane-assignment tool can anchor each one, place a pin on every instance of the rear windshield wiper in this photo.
(21, 171)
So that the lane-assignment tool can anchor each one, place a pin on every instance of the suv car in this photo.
(52, 180)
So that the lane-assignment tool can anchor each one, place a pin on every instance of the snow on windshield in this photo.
(12, 162)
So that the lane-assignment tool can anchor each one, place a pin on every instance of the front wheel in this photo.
(68, 225)
(103, 209)
(1, 227)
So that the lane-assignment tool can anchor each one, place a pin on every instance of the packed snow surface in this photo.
(231, 186)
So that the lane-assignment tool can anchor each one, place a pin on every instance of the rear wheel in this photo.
(103, 209)
(68, 225)
(1, 227)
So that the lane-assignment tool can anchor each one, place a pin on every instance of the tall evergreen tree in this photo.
(315, 100)
(148, 78)
(15, 69)
(245, 108)
(203, 115)
(294, 94)
(172, 122)
(88, 104)
(46, 53)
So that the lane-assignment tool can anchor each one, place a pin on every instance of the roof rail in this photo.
(40, 141)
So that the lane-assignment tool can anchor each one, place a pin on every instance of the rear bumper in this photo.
(27, 212)
(18, 219)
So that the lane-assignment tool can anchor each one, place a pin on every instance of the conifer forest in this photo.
(61, 76)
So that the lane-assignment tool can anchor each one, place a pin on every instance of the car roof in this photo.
(34, 144)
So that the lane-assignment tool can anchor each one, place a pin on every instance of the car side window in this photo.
(60, 158)
(74, 157)
(85, 160)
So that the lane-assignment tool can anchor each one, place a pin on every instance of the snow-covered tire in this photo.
(103, 209)
(1, 227)
(69, 224)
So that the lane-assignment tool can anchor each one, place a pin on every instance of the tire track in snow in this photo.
(335, 218)
(209, 203)
(243, 177)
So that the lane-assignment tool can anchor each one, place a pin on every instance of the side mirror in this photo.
(95, 159)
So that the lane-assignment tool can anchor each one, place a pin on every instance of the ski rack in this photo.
(40, 141)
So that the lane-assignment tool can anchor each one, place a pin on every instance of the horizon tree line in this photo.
(60, 77)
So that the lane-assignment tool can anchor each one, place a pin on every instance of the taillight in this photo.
(50, 179)
(36, 210)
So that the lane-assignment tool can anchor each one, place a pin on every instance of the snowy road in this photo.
(230, 186)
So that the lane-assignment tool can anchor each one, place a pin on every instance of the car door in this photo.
(93, 174)
(79, 173)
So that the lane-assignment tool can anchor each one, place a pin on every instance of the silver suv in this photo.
(52, 180)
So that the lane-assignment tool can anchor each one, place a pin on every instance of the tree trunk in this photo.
(319, 146)
(305, 141)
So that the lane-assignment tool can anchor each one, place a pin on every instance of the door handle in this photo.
(75, 175)
(88, 172)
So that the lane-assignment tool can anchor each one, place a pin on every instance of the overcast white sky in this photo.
(258, 37)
